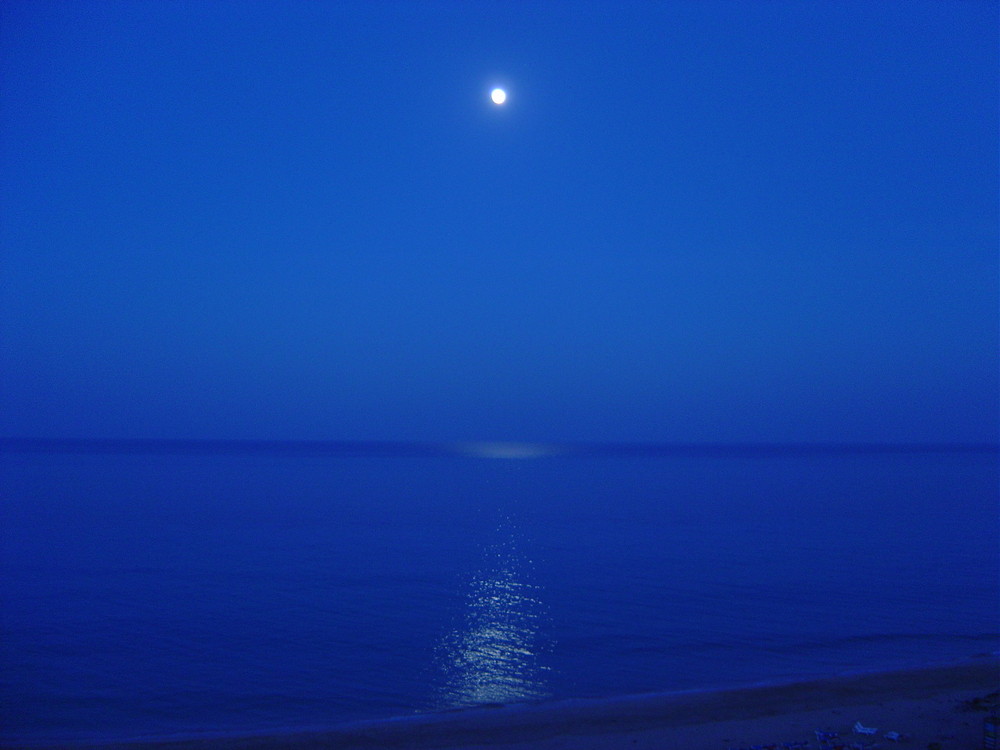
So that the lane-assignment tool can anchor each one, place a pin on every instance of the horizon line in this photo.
(476, 448)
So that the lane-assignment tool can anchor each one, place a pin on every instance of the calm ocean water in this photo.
(149, 592)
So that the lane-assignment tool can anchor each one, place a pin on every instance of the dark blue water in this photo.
(155, 593)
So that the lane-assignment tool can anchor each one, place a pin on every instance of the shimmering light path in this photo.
(493, 657)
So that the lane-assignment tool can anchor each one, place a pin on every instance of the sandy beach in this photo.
(941, 708)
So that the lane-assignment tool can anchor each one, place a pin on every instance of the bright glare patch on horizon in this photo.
(508, 450)
(499, 96)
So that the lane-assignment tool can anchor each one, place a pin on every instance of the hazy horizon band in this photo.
(475, 448)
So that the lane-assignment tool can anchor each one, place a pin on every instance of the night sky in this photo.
(691, 221)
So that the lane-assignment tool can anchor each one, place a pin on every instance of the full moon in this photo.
(499, 96)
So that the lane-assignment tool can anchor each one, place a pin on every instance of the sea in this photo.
(155, 589)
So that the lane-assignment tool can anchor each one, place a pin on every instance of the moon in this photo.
(499, 96)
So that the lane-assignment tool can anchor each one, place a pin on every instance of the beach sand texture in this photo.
(935, 707)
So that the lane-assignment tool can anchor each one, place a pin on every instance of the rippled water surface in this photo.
(158, 593)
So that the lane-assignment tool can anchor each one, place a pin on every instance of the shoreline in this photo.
(923, 703)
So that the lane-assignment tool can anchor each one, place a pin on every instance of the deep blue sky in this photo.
(691, 221)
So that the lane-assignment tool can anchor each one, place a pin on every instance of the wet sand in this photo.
(943, 704)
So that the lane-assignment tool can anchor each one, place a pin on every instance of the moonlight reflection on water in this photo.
(493, 656)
